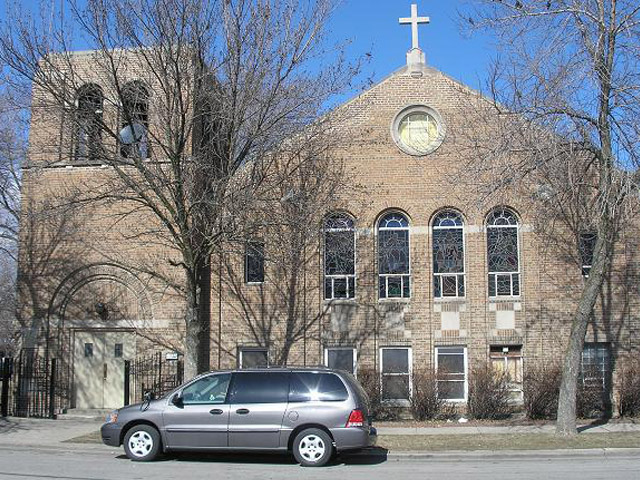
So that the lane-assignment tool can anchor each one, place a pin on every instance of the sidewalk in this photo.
(29, 433)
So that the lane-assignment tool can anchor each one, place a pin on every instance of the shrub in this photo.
(629, 388)
(425, 404)
(541, 389)
(489, 393)
(370, 381)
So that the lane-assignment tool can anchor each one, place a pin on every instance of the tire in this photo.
(313, 447)
(142, 443)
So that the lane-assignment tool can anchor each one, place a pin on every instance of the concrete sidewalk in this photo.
(52, 434)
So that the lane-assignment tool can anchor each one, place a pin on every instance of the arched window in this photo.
(394, 279)
(339, 257)
(134, 136)
(448, 255)
(502, 253)
(88, 123)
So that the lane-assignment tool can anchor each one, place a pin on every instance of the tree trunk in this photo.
(197, 321)
(566, 422)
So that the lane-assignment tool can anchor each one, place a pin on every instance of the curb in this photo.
(493, 454)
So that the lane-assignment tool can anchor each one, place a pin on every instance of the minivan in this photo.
(310, 412)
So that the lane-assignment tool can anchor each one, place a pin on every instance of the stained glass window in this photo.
(393, 256)
(502, 253)
(448, 255)
(339, 257)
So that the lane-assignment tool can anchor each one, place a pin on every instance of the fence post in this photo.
(52, 389)
(127, 375)
(5, 374)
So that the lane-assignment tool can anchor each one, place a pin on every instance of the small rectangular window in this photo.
(254, 263)
(395, 371)
(88, 350)
(251, 357)
(586, 246)
(341, 358)
(451, 363)
(117, 351)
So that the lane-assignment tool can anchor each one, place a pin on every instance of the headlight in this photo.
(112, 417)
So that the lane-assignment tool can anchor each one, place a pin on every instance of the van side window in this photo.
(209, 389)
(260, 387)
(309, 387)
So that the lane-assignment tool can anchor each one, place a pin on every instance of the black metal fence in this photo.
(31, 386)
(155, 374)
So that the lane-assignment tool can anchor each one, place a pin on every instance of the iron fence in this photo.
(31, 386)
(155, 374)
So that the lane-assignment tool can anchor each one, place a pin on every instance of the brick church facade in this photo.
(413, 272)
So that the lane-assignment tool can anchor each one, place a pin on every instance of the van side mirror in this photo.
(177, 400)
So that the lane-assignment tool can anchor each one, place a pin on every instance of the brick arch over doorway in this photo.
(96, 315)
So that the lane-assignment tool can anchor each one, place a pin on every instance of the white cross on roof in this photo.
(414, 20)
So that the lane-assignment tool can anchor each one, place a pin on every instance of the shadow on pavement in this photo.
(373, 456)
(596, 423)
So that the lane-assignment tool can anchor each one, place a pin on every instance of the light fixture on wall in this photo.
(102, 310)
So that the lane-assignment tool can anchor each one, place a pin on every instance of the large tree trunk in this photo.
(566, 422)
(197, 308)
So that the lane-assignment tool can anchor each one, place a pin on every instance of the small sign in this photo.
(171, 356)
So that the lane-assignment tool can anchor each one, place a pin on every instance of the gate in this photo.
(152, 374)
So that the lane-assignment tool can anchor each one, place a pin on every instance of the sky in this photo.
(372, 27)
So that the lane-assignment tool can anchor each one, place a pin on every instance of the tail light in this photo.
(356, 419)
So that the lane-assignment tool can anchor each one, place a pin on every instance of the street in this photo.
(22, 462)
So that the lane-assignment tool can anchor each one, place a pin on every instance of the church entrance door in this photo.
(99, 367)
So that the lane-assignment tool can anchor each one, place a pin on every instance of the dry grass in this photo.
(511, 441)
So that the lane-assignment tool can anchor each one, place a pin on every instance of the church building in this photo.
(414, 271)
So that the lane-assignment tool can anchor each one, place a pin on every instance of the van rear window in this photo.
(309, 387)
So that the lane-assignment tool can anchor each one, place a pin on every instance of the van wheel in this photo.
(312, 447)
(142, 443)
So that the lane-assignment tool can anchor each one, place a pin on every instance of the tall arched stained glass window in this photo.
(394, 275)
(88, 123)
(339, 257)
(448, 255)
(503, 253)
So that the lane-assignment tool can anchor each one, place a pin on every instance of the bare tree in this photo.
(567, 100)
(187, 102)
(300, 202)
(12, 151)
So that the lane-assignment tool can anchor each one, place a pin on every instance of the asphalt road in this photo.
(20, 463)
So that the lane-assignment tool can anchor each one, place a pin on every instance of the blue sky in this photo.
(372, 26)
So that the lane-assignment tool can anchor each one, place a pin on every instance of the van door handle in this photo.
(216, 411)
(242, 411)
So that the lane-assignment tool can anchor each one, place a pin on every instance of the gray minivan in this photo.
(312, 412)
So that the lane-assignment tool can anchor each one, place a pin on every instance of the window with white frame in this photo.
(395, 373)
(339, 257)
(448, 255)
(341, 358)
(254, 262)
(507, 360)
(586, 246)
(394, 275)
(596, 366)
(252, 357)
(503, 253)
(451, 364)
